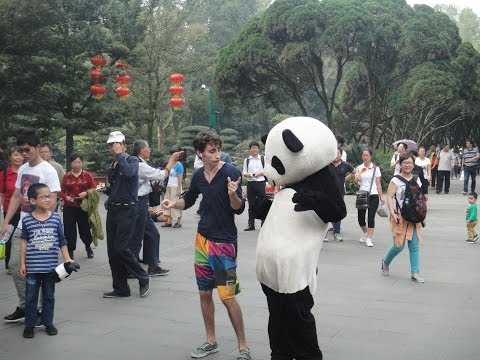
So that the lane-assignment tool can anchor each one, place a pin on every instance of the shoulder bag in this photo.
(363, 196)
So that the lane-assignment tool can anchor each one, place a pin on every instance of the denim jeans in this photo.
(414, 250)
(469, 171)
(47, 283)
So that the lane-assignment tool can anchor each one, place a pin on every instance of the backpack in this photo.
(414, 209)
(262, 159)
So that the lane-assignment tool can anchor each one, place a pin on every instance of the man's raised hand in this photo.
(233, 185)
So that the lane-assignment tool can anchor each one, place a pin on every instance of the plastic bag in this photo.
(382, 210)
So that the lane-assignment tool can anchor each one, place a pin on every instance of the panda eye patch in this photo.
(278, 165)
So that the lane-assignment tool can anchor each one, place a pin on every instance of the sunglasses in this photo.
(25, 150)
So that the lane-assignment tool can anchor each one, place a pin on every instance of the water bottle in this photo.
(7, 235)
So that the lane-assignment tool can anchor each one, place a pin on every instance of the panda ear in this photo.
(264, 139)
(291, 141)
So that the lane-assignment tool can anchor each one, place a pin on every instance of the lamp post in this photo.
(212, 115)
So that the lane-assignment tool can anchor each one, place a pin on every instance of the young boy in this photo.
(42, 236)
(472, 218)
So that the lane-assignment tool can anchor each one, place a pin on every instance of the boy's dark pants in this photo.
(291, 325)
(47, 283)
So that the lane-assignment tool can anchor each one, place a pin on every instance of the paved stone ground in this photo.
(360, 313)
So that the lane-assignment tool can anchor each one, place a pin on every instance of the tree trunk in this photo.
(68, 145)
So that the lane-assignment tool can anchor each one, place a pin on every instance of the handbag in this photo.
(363, 196)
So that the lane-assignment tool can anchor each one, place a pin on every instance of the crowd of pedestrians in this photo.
(31, 183)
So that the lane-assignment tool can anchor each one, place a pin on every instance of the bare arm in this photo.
(392, 189)
(23, 253)
(378, 182)
(66, 256)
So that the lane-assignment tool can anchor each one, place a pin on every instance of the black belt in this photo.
(121, 203)
(143, 196)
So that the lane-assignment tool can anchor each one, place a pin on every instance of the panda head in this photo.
(296, 148)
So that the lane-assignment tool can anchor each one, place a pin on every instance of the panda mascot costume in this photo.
(298, 156)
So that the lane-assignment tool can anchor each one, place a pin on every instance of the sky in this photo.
(459, 4)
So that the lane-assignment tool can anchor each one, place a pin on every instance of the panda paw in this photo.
(307, 199)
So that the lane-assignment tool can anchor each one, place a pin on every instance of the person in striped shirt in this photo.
(42, 238)
(469, 166)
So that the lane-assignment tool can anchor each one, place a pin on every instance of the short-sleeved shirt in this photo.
(469, 155)
(341, 170)
(445, 162)
(176, 171)
(217, 218)
(401, 186)
(28, 175)
(424, 165)
(44, 239)
(7, 186)
(366, 177)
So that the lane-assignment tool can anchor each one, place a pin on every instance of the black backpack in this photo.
(414, 209)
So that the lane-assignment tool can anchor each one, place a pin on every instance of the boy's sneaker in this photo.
(468, 241)
(203, 350)
(464, 193)
(28, 333)
(244, 355)
(337, 237)
(368, 242)
(385, 269)
(417, 278)
(363, 238)
(16, 316)
(51, 330)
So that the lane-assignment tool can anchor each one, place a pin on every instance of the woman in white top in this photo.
(363, 176)
(424, 163)
(403, 230)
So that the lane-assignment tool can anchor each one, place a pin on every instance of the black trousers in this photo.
(254, 189)
(120, 227)
(73, 216)
(291, 326)
(443, 175)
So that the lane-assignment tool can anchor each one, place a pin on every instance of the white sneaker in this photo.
(385, 269)
(325, 239)
(368, 242)
(417, 278)
(363, 238)
(337, 237)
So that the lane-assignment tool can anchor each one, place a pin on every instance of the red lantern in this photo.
(122, 92)
(122, 79)
(121, 65)
(176, 78)
(176, 90)
(98, 61)
(176, 102)
(95, 74)
(98, 91)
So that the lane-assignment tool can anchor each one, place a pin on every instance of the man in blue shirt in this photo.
(216, 238)
(121, 216)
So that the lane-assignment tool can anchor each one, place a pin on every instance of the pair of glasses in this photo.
(44, 197)
(25, 150)
(407, 163)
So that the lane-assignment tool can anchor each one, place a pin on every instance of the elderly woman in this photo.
(75, 184)
(402, 230)
(8, 177)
